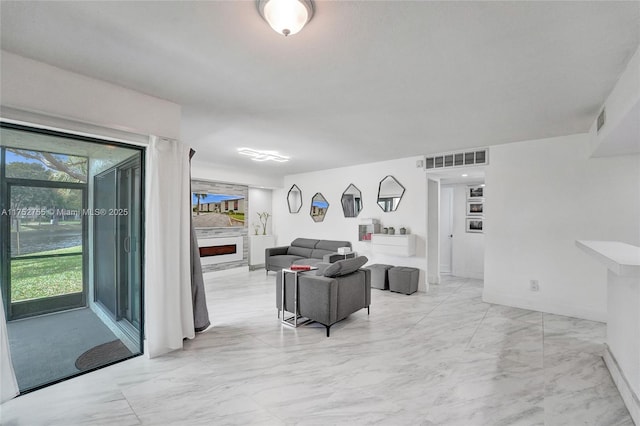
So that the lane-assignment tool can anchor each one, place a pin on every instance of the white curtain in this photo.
(8, 383)
(168, 304)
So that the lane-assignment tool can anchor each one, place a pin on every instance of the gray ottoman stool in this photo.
(403, 279)
(379, 275)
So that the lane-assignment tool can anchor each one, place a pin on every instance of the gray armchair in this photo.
(331, 293)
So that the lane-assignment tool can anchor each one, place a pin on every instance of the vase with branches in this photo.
(264, 219)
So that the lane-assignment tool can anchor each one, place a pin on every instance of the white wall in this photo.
(621, 132)
(220, 173)
(446, 229)
(411, 212)
(34, 86)
(544, 195)
(468, 248)
(433, 231)
(259, 201)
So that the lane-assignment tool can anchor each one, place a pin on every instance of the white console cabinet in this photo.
(395, 245)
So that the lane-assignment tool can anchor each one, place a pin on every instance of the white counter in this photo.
(622, 354)
(620, 258)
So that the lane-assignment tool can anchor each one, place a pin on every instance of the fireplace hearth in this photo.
(218, 250)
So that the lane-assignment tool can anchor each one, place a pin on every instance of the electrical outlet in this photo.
(533, 285)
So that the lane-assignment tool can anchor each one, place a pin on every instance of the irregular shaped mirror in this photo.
(351, 201)
(319, 206)
(294, 199)
(389, 194)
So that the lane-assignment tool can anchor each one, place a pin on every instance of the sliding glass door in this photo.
(129, 180)
(45, 251)
(118, 242)
(71, 252)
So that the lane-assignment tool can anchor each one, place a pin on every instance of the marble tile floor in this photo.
(437, 358)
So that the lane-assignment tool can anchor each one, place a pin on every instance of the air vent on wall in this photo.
(601, 119)
(476, 157)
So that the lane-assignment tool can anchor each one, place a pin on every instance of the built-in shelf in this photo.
(396, 245)
(367, 228)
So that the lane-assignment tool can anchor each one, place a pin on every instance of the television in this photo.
(211, 210)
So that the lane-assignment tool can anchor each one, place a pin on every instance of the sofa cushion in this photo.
(331, 245)
(344, 267)
(283, 260)
(307, 261)
(299, 251)
(304, 242)
(322, 266)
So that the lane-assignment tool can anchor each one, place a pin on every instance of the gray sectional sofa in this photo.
(303, 251)
(329, 294)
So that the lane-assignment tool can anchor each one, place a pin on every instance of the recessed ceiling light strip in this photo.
(257, 155)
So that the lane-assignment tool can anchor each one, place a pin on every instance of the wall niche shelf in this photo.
(396, 245)
(367, 228)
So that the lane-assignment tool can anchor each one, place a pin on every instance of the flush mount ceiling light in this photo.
(286, 17)
(257, 155)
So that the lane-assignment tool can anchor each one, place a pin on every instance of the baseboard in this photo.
(256, 267)
(478, 275)
(629, 397)
(543, 305)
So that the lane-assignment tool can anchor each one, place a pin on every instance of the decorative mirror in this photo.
(389, 194)
(351, 201)
(319, 206)
(294, 199)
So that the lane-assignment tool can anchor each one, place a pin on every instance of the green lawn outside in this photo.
(239, 216)
(54, 276)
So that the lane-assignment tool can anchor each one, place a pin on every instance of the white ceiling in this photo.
(364, 81)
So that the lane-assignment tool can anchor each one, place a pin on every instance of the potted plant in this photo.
(264, 219)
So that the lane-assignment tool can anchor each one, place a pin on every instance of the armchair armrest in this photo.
(274, 251)
(334, 257)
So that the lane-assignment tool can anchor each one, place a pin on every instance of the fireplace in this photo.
(220, 250)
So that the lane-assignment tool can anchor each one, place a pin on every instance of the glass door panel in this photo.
(130, 239)
(104, 242)
(135, 268)
(46, 249)
(118, 243)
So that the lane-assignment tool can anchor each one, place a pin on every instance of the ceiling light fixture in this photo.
(257, 155)
(465, 175)
(286, 17)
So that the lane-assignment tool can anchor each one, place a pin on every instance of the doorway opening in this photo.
(71, 264)
(456, 216)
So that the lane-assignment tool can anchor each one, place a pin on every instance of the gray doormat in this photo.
(102, 354)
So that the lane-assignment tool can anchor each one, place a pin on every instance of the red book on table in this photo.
(300, 267)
